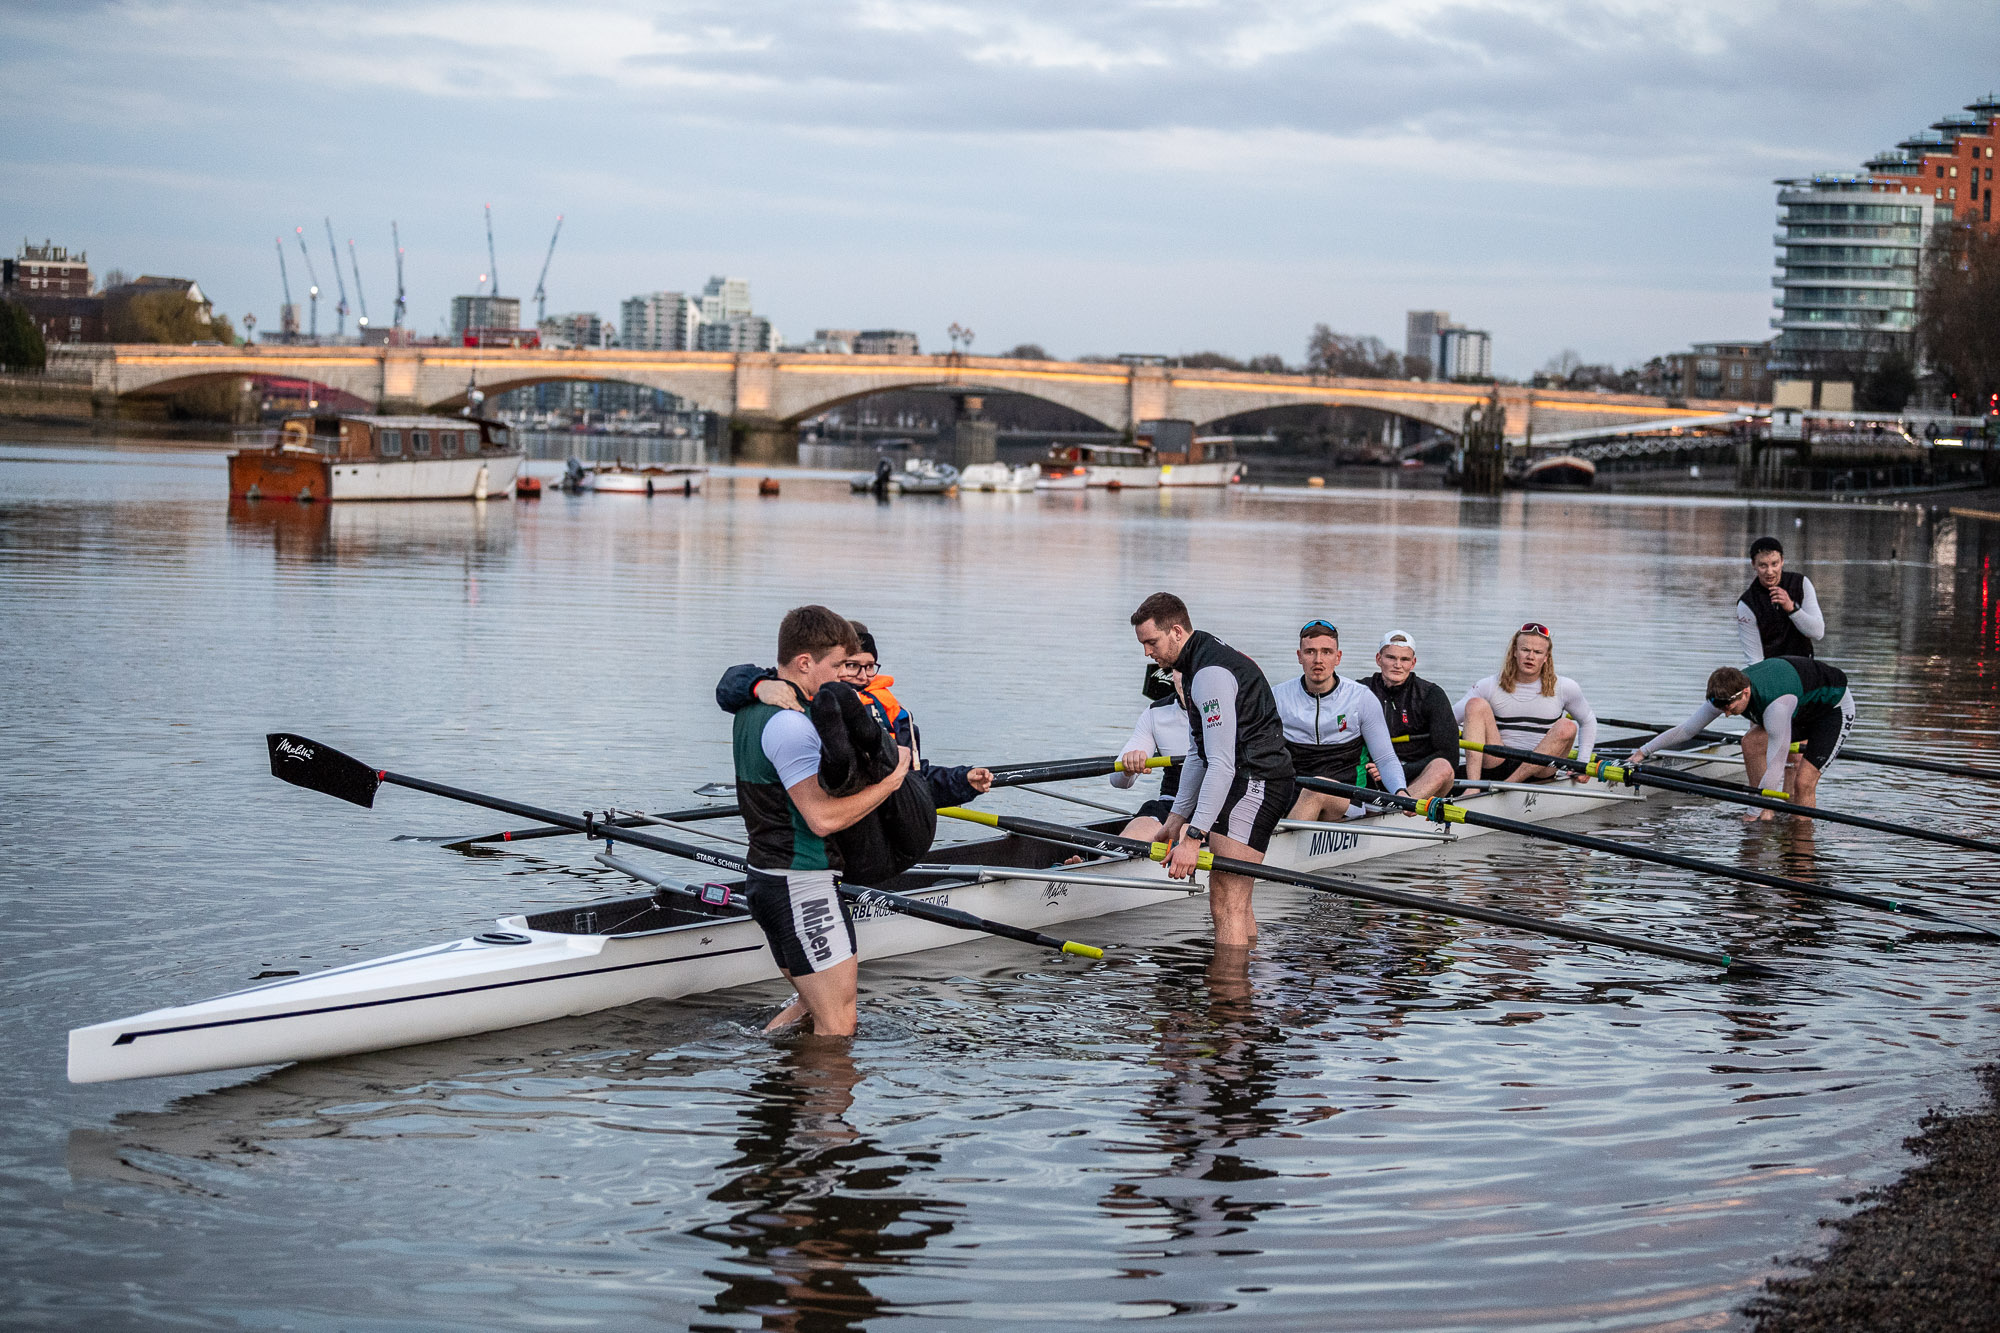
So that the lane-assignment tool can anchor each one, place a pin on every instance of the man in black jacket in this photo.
(1778, 615)
(1421, 724)
(1236, 782)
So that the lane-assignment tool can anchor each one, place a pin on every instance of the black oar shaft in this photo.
(1500, 823)
(688, 816)
(1646, 775)
(1846, 752)
(1063, 834)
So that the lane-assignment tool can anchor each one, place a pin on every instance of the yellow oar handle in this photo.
(970, 816)
(1434, 807)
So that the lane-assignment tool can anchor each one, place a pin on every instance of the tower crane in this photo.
(312, 292)
(492, 264)
(286, 279)
(541, 293)
(359, 295)
(339, 311)
(401, 305)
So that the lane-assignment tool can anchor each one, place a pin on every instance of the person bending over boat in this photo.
(748, 683)
(1529, 707)
(1422, 730)
(1783, 697)
(1778, 615)
(791, 820)
(1334, 728)
(1237, 781)
(1162, 730)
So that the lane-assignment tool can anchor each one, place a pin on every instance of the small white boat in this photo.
(1063, 477)
(999, 477)
(618, 951)
(672, 479)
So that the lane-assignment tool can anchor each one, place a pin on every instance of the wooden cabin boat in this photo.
(311, 457)
(1111, 466)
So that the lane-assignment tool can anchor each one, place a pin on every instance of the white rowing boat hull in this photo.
(648, 481)
(564, 968)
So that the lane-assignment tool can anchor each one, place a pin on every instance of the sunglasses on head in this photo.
(1534, 628)
(1722, 705)
(1314, 626)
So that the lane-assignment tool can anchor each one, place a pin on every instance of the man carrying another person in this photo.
(1783, 697)
(1529, 707)
(1237, 781)
(1423, 733)
(1778, 615)
(791, 820)
(1334, 728)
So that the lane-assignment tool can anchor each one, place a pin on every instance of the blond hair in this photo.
(1510, 676)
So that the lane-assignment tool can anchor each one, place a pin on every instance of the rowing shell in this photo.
(615, 952)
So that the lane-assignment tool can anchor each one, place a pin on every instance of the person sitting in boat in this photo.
(1333, 727)
(1783, 697)
(749, 683)
(792, 820)
(1422, 730)
(1529, 707)
(1778, 615)
(1162, 730)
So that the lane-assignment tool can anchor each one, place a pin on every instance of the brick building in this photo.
(53, 286)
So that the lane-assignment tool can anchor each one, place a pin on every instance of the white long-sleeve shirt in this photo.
(1347, 713)
(1810, 621)
(1162, 729)
(1525, 714)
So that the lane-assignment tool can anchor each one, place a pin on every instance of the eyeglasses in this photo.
(1533, 627)
(861, 668)
(1312, 626)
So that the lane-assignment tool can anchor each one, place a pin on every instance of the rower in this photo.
(791, 821)
(1529, 707)
(1422, 731)
(1162, 730)
(1778, 615)
(1333, 727)
(1783, 697)
(1237, 780)
(958, 785)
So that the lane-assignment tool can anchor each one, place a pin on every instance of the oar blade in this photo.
(307, 763)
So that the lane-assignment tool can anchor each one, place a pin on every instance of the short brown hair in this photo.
(1726, 683)
(815, 630)
(1163, 609)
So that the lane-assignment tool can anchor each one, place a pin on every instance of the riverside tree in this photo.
(21, 345)
(1958, 312)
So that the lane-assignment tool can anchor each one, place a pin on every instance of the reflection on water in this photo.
(1374, 1121)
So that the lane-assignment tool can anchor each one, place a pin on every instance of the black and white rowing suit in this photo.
(1162, 730)
(1335, 735)
(1237, 780)
(1525, 714)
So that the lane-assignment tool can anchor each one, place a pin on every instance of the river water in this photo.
(1392, 1122)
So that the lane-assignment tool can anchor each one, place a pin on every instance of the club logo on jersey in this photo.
(1211, 712)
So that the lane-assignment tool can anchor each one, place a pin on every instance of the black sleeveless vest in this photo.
(1781, 637)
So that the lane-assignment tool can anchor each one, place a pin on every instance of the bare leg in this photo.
(1145, 828)
(790, 1014)
(1557, 742)
(1753, 743)
(1229, 896)
(1318, 805)
(1806, 778)
(1479, 728)
(1435, 780)
(829, 997)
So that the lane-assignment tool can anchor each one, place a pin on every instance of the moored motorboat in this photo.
(917, 476)
(1107, 466)
(1561, 472)
(368, 457)
(999, 477)
(670, 479)
(617, 951)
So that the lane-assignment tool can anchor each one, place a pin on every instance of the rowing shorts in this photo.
(1157, 808)
(1504, 772)
(1253, 808)
(803, 917)
(1823, 739)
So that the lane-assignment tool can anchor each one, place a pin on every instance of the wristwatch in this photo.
(1195, 835)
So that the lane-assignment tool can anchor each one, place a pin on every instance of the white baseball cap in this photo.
(1397, 636)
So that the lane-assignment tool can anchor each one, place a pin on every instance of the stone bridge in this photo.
(766, 395)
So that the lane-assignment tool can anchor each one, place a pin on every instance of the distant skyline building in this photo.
(885, 342)
(1463, 354)
(724, 299)
(742, 333)
(660, 322)
(484, 312)
(1850, 244)
(53, 286)
(1421, 329)
(582, 328)
(1728, 370)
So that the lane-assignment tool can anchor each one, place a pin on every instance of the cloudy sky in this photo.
(1158, 175)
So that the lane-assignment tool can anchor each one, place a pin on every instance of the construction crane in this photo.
(286, 279)
(312, 292)
(492, 264)
(339, 311)
(541, 294)
(359, 295)
(401, 305)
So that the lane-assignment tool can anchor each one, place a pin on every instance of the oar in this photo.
(1443, 812)
(1004, 775)
(1647, 776)
(1846, 752)
(1064, 835)
(316, 767)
